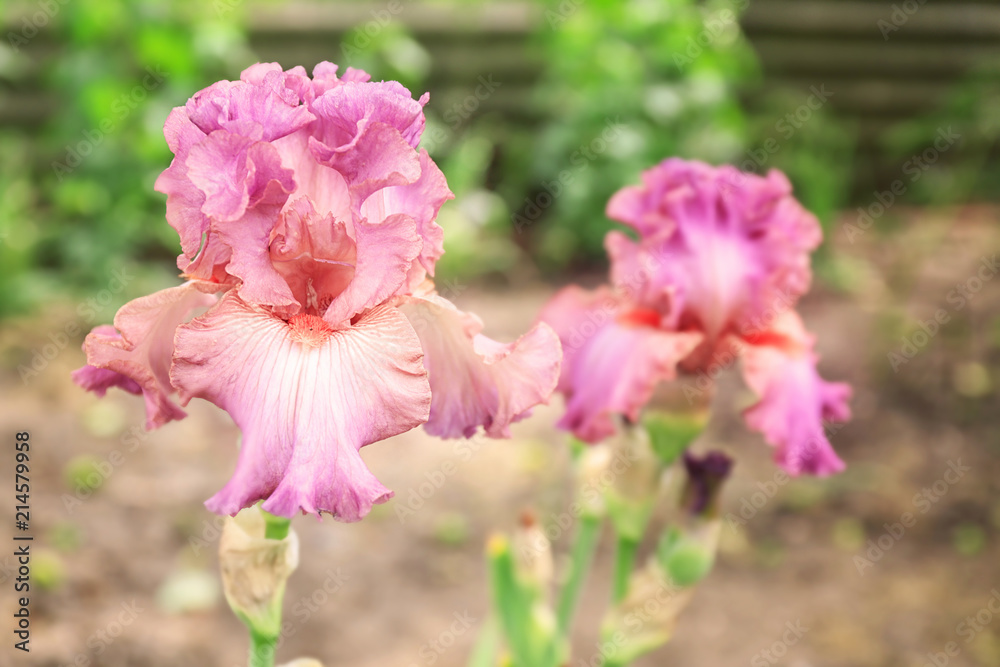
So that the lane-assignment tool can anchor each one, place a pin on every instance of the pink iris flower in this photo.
(306, 217)
(721, 259)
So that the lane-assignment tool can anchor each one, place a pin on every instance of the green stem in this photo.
(584, 547)
(262, 650)
(624, 562)
(276, 527)
(484, 653)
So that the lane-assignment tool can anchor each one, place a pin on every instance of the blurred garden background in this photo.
(883, 115)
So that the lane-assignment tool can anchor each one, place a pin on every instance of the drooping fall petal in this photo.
(476, 381)
(307, 398)
(142, 347)
(795, 404)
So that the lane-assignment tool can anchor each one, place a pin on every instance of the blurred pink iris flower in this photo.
(306, 218)
(721, 259)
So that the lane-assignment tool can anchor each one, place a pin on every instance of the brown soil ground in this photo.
(143, 538)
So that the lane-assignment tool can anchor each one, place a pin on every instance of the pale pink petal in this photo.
(143, 349)
(184, 199)
(385, 253)
(246, 188)
(796, 404)
(306, 398)
(420, 200)
(476, 381)
(314, 254)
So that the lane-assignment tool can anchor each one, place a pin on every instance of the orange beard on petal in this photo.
(309, 330)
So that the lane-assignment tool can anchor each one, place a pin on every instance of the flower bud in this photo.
(705, 477)
(532, 554)
(636, 473)
(671, 433)
(593, 474)
(686, 556)
(646, 618)
(255, 570)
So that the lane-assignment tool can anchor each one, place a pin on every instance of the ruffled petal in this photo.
(613, 359)
(420, 200)
(184, 199)
(142, 351)
(721, 248)
(368, 132)
(315, 255)
(476, 381)
(306, 398)
(385, 253)
(262, 106)
(795, 402)
(99, 380)
(245, 188)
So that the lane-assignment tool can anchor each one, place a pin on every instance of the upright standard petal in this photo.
(476, 381)
(307, 398)
(795, 402)
(385, 253)
(420, 200)
(142, 351)
(722, 247)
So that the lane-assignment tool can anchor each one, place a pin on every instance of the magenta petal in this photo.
(142, 351)
(476, 381)
(611, 366)
(719, 248)
(306, 398)
(794, 401)
(576, 314)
